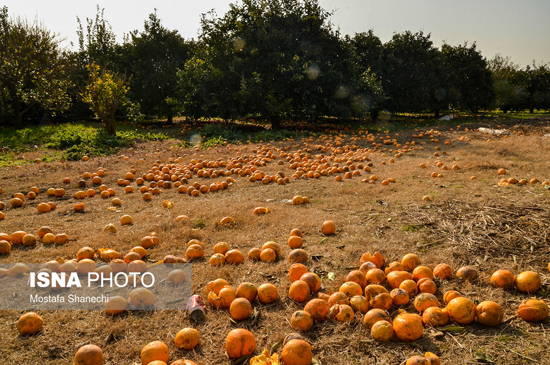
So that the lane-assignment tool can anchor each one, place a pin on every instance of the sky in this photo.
(519, 29)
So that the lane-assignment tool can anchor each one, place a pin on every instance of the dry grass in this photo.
(467, 222)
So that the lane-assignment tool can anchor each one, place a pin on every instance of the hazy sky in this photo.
(516, 28)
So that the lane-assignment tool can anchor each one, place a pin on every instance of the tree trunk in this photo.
(18, 118)
(436, 113)
(531, 110)
(169, 118)
(374, 115)
(110, 125)
(275, 122)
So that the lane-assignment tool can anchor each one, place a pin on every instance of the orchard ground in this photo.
(476, 222)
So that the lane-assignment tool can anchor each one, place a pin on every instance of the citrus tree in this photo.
(104, 93)
(32, 71)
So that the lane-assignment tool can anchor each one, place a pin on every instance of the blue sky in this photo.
(519, 29)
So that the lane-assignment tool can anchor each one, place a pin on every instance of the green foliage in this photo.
(508, 84)
(153, 58)
(411, 72)
(76, 140)
(98, 44)
(470, 80)
(278, 60)
(32, 70)
(104, 93)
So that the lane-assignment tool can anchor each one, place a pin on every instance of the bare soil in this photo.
(473, 222)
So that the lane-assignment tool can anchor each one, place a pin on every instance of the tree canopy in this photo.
(32, 70)
(276, 60)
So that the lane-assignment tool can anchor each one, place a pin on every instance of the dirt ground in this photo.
(474, 222)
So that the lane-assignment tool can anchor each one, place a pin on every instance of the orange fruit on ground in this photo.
(43, 208)
(358, 277)
(194, 252)
(187, 339)
(533, 310)
(420, 272)
(61, 239)
(297, 352)
(351, 289)
(234, 257)
(295, 242)
(417, 360)
(395, 278)
(528, 282)
(140, 250)
(381, 301)
(274, 246)
(424, 301)
(318, 309)
(43, 230)
(408, 326)
(16, 202)
(28, 240)
(443, 271)
(268, 255)
(313, 280)
(376, 259)
(217, 259)
(215, 286)
(337, 298)
(5, 247)
(344, 313)
(299, 291)
(298, 256)
(221, 247)
(462, 310)
(410, 261)
(427, 286)
(375, 276)
(467, 273)
(359, 304)
(176, 277)
(156, 350)
(17, 237)
(296, 271)
(503, 279)
(301, 321)
(375, 315)
(489, 313)
(137, 266)
(141, 299)
(399, 297)
(239, 342)
(432, 358)
(435, 317)
(88, 355)
(394, 266)
(223, 299)
(248, 291)
(254, 254)
(450, 295)
(30, 324)
(296, 232)
(382, 331)
(85, 253)
(328, 228)
(240, 309)
(267, 293)
(116, 305)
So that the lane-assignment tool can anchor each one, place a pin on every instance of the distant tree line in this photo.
(273, 62)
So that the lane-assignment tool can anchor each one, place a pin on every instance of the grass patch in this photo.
(76, 140)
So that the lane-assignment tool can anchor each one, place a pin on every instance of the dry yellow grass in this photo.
(466, 222)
